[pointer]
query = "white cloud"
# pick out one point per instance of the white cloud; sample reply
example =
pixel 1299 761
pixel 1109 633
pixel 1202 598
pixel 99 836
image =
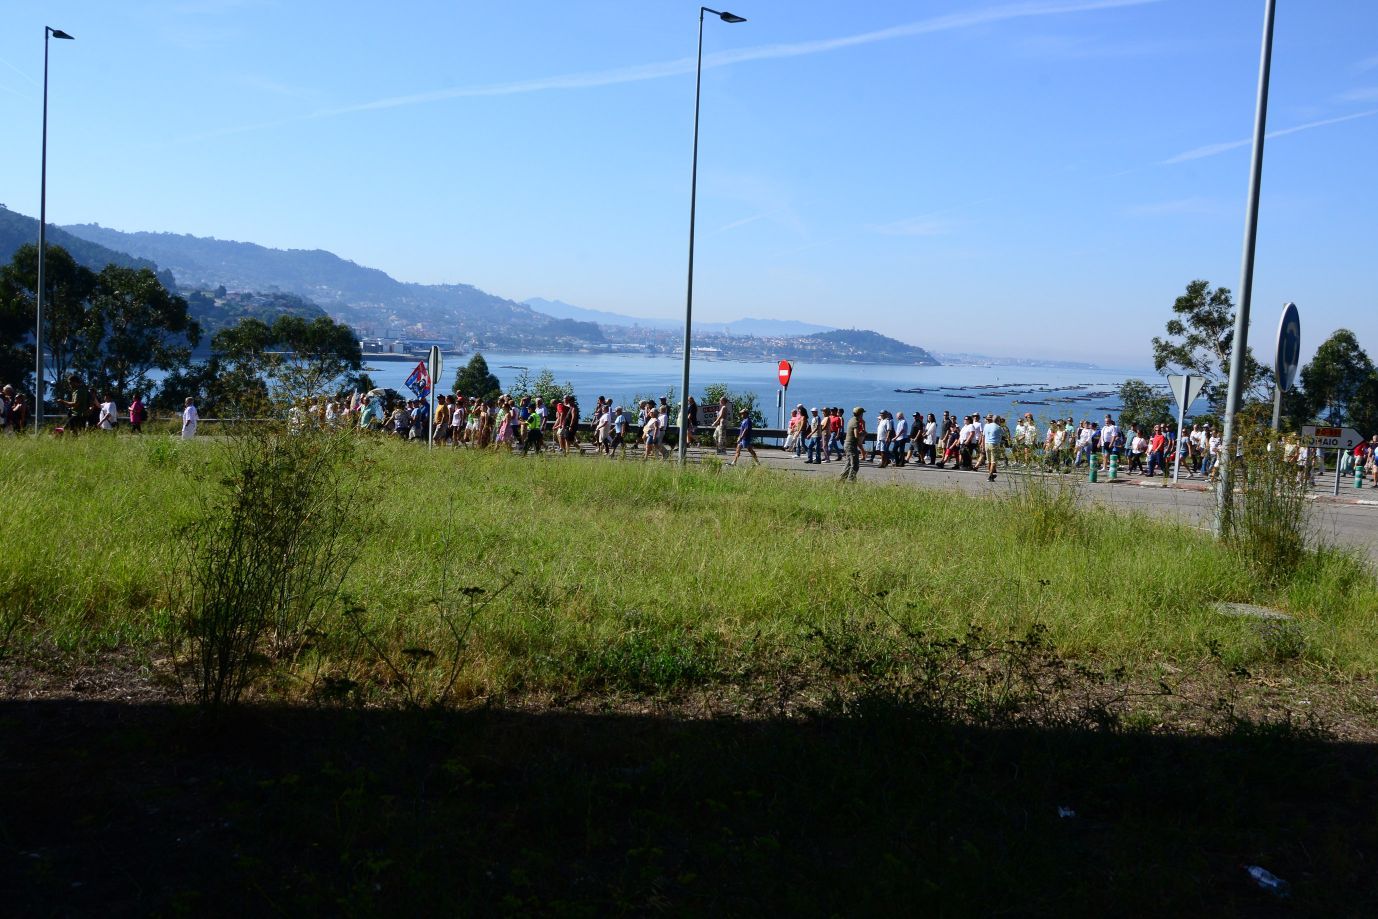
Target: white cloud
pixel 23 74
pixel 914 226
pixel 745 221
pixel 1368 63
pixel 1201 207
pixel 654 71
pixel 1362 94
pixel 273 87
pixel 1088 48
pixel 1215 149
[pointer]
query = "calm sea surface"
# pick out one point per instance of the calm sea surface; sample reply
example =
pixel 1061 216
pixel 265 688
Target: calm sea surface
pixel 625 376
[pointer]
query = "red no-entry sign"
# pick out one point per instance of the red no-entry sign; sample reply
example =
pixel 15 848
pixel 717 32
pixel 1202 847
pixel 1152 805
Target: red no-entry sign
pixel 786 368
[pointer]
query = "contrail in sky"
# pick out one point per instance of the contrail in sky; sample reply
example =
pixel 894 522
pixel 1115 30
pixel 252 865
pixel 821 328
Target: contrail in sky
pixel 1214 149
pixel 641 72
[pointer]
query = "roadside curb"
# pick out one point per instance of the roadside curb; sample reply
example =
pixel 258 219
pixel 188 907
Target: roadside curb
pixel 1155 483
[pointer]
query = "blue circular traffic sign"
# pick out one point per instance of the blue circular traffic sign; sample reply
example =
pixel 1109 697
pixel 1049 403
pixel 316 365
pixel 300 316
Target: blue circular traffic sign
pixel 1289 347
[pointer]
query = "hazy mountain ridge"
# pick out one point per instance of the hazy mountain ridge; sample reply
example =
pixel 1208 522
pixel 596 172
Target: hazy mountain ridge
pixel 744 327
pixel 377 304
pixel 366 297
pixel 561 310
pixel 985 360
pixel 16 230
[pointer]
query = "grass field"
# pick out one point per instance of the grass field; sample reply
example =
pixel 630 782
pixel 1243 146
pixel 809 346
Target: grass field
pixel 628 576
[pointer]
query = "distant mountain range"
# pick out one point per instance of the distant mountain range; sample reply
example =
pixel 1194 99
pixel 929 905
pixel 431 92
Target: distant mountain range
pixel 367 298
pixel 985 360
pixel 764 328
pixel 226 280
pixel 16 230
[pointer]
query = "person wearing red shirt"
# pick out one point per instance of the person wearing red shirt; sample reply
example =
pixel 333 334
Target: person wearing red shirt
pixel 1156 445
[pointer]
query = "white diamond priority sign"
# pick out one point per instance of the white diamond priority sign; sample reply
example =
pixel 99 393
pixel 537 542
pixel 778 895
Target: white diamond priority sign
pixel 1185 388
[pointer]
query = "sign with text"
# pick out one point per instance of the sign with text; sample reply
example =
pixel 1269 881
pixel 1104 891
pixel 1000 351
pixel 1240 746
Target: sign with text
pixel 786 368
pixel 1332 438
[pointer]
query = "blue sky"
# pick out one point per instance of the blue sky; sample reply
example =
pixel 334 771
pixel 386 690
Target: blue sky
pixel 1037 178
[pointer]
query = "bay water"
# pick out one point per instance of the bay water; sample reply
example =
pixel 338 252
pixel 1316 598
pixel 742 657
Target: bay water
pixel 959 388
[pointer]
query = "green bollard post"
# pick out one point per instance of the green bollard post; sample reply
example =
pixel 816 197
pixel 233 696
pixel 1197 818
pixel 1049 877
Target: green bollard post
pixel 1091 476
pixel 1114 466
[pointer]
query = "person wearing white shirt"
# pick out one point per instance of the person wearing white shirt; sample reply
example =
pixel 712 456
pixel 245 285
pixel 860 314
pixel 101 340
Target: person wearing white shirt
pixel 1026 439
pixel 1138 451
pixel 1196 449
pixel 930 439
pixel 966 442
pixel 720 423
pixel 109 413
pixel 884 432
pixel 901 439
pixel 602 431
pixel 189 419
pixel 1212 456
pixel 649 426
pixel 1084 444
pixel 1109 433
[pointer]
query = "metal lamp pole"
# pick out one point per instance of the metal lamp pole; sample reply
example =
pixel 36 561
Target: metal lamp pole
pixel 693 200
pixel 1240 349
pixel 48 32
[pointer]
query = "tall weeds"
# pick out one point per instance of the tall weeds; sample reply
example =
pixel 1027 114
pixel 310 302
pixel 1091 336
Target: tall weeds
pixel 1043 509
pixel 263 560
pixel 1265 514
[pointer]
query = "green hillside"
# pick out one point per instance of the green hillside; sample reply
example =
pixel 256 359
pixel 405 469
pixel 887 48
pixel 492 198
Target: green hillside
pixel 867 346
pixel 365 297
pixel 16 230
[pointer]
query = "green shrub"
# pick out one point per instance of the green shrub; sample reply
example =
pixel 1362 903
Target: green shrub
pixel 1043 510
pixel 1265 512
pixel 263 561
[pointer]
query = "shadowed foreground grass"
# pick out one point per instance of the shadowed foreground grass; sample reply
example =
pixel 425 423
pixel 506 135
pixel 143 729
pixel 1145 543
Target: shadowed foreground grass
pixel 631 577
pixel 130 810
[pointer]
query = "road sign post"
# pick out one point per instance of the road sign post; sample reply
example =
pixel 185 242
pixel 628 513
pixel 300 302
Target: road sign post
pixel 1185 389
pixel 433 366
pixel 1341 440
pixel 1239 348
pixel 1287 357
pixel 785 370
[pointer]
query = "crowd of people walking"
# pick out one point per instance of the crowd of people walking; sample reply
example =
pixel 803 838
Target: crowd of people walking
pixel 530 425
pixel 84 409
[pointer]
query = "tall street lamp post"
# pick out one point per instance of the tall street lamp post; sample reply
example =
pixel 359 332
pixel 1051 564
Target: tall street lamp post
pixel 693 198
pixel 48 32
pixel 1240 348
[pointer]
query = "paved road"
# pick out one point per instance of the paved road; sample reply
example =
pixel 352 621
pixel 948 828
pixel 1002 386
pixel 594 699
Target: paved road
pixel 1351 519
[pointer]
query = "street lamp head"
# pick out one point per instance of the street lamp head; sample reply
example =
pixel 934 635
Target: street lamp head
pixel 731 17
pixel 58 33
